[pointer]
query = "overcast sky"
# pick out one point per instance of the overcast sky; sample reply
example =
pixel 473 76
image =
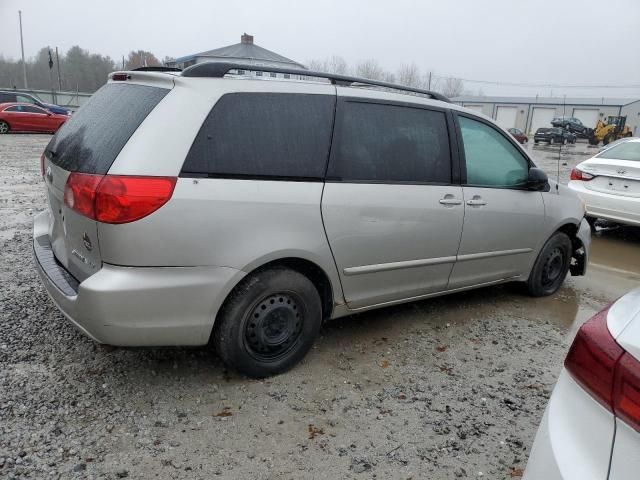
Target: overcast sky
pixel 579 42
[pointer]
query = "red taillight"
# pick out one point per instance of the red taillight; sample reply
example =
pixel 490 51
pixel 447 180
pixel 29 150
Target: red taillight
pixel 122 199
pixel 605 370
pixel 120 77
pixel 626 392
pixel 117 198
pixel 80 193
pixel 592 359
pixel 577 174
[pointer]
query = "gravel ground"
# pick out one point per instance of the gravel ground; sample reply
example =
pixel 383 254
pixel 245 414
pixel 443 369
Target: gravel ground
pixel 448 388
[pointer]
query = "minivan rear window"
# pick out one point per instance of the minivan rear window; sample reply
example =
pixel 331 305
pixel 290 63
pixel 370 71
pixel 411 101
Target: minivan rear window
pixel 264 135
pixel 92 138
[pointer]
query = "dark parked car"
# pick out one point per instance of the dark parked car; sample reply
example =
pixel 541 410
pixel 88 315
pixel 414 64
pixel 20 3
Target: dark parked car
pixel 518 135
pixel 7 96
pixel 554 135
pixel 572 124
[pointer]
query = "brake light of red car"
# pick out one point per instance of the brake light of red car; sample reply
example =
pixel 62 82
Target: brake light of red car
pixel 605 370
pixel 577 174
pixel 117 198
pixel 120 77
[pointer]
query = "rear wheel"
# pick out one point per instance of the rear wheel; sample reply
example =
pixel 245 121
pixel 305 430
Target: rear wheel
pixel 607 140
pixel 4 127
pixel 551 266
pixel 269 322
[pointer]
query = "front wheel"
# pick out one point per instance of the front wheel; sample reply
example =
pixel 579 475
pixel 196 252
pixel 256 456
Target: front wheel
pixel 4 127
pixel 551 267
pixel 268 323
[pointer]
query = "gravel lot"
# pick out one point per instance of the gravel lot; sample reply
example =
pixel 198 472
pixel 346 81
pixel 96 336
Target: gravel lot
pixel 447 388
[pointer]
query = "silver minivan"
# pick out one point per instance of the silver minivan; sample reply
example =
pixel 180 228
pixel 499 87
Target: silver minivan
pixel 206 207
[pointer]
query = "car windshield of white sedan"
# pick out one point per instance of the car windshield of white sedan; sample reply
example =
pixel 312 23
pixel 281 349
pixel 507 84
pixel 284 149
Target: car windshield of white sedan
pixel 623 151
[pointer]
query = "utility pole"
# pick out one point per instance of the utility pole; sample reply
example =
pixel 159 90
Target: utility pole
pixel 24 65
pixel 58 65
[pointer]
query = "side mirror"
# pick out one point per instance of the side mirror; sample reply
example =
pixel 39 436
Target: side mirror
pixel 537 180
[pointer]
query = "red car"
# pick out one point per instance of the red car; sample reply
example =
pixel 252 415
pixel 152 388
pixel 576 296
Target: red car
pixel 24 117
pixel 518 135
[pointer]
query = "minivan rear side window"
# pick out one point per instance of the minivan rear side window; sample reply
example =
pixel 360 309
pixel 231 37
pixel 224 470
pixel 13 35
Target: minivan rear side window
pixel 92 138
pixel 390 143
pixel 273 135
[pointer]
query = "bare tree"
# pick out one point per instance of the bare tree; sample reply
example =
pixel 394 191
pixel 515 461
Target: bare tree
pixel 410 75
pixel 141 58
pixel 334 64
pixel 372 70
pixel 452 87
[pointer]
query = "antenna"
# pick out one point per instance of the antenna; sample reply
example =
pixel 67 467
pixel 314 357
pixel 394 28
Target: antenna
pixel 564 111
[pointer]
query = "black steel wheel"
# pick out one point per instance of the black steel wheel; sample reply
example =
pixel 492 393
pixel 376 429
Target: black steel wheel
pixel 268 323
pixel 274 326
pixel 551 267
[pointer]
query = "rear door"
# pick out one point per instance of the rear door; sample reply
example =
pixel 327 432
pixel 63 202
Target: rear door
pixel 391 205
pixel 502 220
pixel 36 119
pixel 89 142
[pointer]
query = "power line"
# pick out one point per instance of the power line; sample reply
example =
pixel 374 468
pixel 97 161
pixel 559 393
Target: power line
pixel 540 85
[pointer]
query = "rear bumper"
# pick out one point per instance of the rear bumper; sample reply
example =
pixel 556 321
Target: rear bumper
pixel 574 439
pixel 133 306
pixel 616 208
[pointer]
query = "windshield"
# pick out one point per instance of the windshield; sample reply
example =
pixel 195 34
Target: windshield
pixel 623 151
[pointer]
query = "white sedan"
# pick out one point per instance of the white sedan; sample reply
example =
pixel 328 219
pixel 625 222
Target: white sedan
pixel 591 428
pixel 609 183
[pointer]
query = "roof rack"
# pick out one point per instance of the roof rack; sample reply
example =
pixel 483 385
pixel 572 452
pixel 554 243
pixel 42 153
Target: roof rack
pixel 220 69
pixel 157 69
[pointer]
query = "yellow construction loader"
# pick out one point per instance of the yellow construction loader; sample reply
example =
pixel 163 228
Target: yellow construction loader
pixel 606 132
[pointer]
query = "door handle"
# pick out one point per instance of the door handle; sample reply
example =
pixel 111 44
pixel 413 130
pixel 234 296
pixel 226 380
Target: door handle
pixel 450 201
pixel 476 202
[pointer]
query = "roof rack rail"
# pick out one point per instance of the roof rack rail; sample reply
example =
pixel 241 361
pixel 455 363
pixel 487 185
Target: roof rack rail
pixel 157 69
pixel 220 69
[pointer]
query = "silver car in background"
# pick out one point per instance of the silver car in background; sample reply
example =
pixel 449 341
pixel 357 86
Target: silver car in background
pixel 203 207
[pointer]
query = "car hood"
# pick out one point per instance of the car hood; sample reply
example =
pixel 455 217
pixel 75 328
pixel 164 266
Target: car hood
pixel 623 321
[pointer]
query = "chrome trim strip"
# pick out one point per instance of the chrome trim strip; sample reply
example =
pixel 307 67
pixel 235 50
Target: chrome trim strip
pixel 498 253
pixel 384 267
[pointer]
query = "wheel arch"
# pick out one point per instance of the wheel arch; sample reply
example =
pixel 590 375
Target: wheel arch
pixel 316 274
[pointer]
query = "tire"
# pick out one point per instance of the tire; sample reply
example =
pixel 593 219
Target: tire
pixel 606 140
pixel 535 142
pixel 551 267
pixel 4 127
pixel 268 323
pixel 593 141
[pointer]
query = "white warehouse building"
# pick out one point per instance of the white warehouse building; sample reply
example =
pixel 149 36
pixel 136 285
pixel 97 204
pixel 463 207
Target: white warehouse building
pixel 530 113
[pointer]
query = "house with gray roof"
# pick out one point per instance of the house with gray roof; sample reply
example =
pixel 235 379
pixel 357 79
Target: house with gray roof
pixel 246 52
